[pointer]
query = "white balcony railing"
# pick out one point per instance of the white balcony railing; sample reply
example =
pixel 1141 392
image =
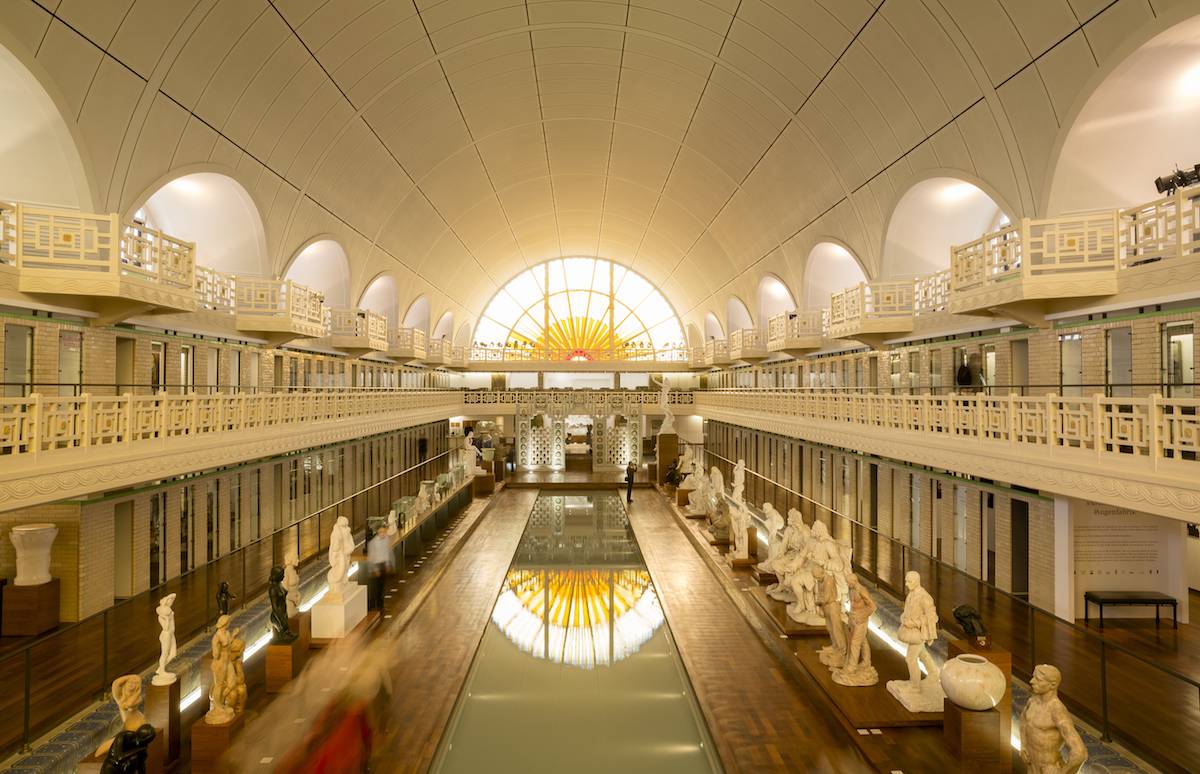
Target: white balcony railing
pixel 878 308
pixel 37 426
pixel 620 353
pixel 437 352
pixel 1164 230
pixel 282 306
pixel 747 344
pixel 459 356
pixel 932 293
pixel 406 344
pixel 215 290
pixel 563 402
pixel 357 329
pixel 795 332
pixel 716 352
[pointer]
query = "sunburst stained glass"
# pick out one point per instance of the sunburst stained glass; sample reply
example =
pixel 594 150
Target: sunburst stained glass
pixel 576 307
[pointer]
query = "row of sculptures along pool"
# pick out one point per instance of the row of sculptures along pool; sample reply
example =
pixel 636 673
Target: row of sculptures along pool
pixel 577 670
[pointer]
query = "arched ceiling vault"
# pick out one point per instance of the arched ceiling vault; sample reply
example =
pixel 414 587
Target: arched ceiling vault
pixel 457 143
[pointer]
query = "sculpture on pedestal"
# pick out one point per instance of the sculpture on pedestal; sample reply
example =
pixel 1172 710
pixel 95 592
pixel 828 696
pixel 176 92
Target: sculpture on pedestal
pixel 125 753
pixel 918 629
pixel 831 555
pixel 699 496
pixel 718 507
pixel 1046 728
pixel 281 633
pixel 424 499
pixel 393 527
pixel 32 543
pixel 341 546
pixel 218 710
pixel 664 403
pixel 857 670
pixel 791 557
pixel 834 654
pixel 739 525
pixel 224 597
pixel 235 677
pixel 738 487
pixel 291 584
pixel 775 526
pixel 687 461
pixel 972 624
pixel 672 477
pixel 166 640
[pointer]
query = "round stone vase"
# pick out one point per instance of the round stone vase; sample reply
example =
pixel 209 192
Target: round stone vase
pixel 972 682
pixel 33 542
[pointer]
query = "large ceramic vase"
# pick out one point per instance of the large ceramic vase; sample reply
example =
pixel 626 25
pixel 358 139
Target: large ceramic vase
pixel 33 542
pixel 972 682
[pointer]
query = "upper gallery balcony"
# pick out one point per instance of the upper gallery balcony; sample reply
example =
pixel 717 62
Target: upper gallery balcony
pixel 437 352
pixel 532 357
pixel 1159 242
pixel 796 333
pixel 1027 268
pixel 97 262
pixel 872 311
pixel 459 357
pixel 716 352
pixel 696 357
pixel 747 345
pixel 216 291
pixel 277 310
pixel 356 331
pixel 406 345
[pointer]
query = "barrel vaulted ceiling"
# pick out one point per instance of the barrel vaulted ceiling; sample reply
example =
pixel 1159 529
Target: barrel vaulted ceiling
pixel 454 143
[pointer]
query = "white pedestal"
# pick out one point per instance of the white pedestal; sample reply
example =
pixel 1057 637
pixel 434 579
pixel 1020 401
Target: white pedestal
pixel 930 698
pixel 331 619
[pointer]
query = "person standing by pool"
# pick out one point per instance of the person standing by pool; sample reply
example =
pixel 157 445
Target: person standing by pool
pixel 630 472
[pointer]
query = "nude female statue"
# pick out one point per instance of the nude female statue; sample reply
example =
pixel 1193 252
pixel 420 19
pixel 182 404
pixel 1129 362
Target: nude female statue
pixel 166 640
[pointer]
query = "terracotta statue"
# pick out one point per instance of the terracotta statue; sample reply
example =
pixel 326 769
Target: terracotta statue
pixel 833 655
pixel 126 752
pixel 281 633
pixel 341 546
pixel 166 640
pixel 1046 728
pixel 235 676
pixel 291 584
pixel 918 629
pixel 858 670
pixel 224 597
pixel 218 710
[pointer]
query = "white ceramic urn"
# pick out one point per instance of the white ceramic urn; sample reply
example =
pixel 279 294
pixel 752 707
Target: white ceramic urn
pixel 33 542
pixel 972 682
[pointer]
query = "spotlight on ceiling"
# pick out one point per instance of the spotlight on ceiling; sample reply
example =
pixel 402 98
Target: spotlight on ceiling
pixel 1177 179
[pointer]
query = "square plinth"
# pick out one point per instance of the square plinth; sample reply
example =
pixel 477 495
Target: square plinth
pixel 285 661
pixel 30 610
pixel 210 742
pixel 681 497
pixel 162 712
pixel 973 738
pixel 332 619
pixel 483 486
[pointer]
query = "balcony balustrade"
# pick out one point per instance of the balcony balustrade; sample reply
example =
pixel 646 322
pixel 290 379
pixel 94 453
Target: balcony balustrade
pixel 437 352
pixel 716 352
pixel 795 333
pixel 406 345
pixel 747 345
pixel 1027 268
pixel 624 353
pixel 459 357
pixel 931 294
pixel 696 357
pixel 356 331
pixel 215 291
pixel 100 263
pixel 871 312
pixel 1159 242
pixel 278 310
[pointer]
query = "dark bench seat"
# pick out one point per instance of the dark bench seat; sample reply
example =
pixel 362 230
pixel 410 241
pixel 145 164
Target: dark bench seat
pixel 1127 598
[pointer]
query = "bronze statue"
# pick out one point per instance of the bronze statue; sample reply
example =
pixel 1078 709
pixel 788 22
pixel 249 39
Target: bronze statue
pixel 281 634
pixel 223 598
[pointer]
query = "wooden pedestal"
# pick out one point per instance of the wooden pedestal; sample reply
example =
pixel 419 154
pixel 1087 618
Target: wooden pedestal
pixel 1003 659
pixel 681 497
pixel 30 610
pixel 154 758
pixel 668 452
pixel 162 712
pixel 284 662
pixel 210 742
pixel 973 738
pixel 764 578
pixel 752 545
pixel 484 485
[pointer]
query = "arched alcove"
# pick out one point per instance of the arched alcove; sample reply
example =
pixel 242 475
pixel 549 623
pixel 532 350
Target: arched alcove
pixel 463 337
pixel 40 162
pixel 830 268
pixel 218 214
pixel 417 315
pixel 695 338
pixel 931 217
pixel 1138 124
pixel 322 265
pixel 773 298
pixel 445 327
pixel 712 327
pixel 737 316
pixel 382 298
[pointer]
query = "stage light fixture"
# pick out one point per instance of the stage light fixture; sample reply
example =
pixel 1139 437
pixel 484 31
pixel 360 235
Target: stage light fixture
pixel 1167 184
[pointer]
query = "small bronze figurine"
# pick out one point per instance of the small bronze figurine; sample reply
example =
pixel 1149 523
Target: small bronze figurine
pixel 223 598
pixel 281 633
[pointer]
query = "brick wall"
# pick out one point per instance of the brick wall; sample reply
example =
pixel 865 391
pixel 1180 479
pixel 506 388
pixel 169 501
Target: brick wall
pixel 64 554
pixel 1041 554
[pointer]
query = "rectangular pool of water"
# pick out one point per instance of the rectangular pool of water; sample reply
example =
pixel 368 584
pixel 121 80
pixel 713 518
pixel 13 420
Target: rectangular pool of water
pixel 577 670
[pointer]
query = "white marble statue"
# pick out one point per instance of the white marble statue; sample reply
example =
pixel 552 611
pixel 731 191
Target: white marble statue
pixel 393 527
pixel 739 525
pixel 664 404
pixel 687 461
pixel 291 584
pixel 1046 728
pixel 718 506
pixel 341 546
pixel 738 487
pixel 32 543
pixel 166 640
pixel 698 498
pixel 830 603
pixel 918 630
pixel 218 710
pixel 424 498
pixel 775 526
pixel 790 558
pixel 857 669
pixel 831 554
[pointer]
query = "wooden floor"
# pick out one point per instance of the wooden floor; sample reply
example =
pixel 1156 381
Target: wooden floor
pixel 762 717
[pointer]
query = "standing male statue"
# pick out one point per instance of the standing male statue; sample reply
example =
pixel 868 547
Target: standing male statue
pixel 918 629
pixel 1046 728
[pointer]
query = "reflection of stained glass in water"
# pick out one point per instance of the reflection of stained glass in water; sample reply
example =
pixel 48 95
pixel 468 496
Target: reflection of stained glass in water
pixel 579 617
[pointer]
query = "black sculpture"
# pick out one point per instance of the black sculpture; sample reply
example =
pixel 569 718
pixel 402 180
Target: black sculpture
pixel 281 633
pixel 223 598
pixel 972 624
pixel 672 476
pixel 127 755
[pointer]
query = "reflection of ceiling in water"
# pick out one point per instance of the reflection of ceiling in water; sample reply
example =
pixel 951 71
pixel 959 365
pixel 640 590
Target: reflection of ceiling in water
pixel 584 618
pixel 578 530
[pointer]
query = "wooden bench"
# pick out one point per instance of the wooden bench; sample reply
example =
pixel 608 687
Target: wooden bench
pixel 1127 598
